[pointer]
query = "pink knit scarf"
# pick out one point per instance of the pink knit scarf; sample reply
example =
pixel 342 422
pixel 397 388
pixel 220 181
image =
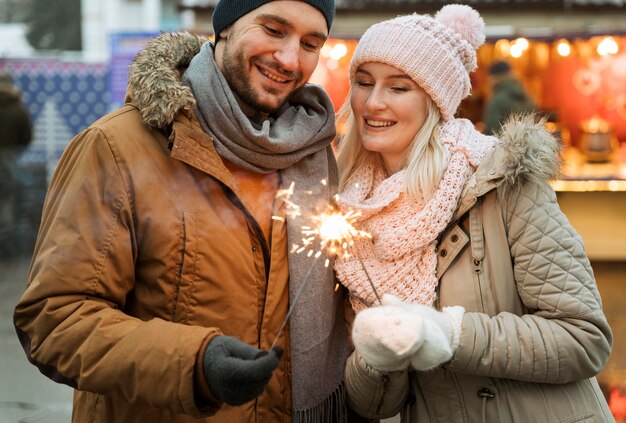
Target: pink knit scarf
pixel 400 258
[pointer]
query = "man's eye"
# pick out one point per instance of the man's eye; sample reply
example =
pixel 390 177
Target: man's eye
pixel 311 46
pixel 272 31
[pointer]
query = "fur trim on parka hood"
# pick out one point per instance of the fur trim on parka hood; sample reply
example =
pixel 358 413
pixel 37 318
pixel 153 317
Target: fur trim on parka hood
pixel 154 85
pixel 526 153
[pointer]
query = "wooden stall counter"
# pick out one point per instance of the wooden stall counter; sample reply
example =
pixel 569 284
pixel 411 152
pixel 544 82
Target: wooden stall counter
pixel 593 196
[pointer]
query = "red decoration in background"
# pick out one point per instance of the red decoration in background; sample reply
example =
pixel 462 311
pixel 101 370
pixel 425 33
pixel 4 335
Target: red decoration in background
pixel 581 89
pixel 617 404
pixel 620 105
pixel 332 71
pixel 586 82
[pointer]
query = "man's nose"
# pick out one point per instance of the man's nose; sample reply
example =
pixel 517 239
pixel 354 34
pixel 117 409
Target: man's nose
pixel 287 55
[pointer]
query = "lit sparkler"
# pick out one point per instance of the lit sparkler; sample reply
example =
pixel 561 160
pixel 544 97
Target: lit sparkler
pixel 332 231
pixel 337 232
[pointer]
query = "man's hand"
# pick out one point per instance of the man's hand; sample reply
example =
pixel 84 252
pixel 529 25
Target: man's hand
pixel 237 372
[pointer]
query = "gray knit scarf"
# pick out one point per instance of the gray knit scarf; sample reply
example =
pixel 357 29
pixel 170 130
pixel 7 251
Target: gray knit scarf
pixel 295 142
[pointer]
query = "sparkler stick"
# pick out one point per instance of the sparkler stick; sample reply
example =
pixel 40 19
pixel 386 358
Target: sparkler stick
pixel 369 279
pixel 335 232
pixel 295 300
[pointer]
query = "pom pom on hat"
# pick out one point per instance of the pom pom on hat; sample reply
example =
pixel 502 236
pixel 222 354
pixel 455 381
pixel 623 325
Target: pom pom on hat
pixel 437 53
pixel 465 21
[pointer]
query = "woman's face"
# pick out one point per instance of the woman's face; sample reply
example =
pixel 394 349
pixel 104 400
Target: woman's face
pixel 389 108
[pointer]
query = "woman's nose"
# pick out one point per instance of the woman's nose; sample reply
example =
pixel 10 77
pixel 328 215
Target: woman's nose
pixel 376 100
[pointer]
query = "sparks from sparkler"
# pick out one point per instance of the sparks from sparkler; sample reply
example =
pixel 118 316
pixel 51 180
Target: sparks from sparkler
pixel 332 231
pixel 336 232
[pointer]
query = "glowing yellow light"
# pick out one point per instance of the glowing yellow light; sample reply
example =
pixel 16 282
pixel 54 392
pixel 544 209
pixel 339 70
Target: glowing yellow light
pixel 563 48
pixel 332 64
pixel 614 185
pixel 334 230
pixel 338 51
pixel 518 47
pixel 522 43
pixel 516 51
pixel 335 227
pixel 326 50
pixel 608 46
pixel 503 47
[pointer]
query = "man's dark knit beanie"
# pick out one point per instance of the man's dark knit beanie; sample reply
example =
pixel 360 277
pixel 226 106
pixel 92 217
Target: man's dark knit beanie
pixel 228 11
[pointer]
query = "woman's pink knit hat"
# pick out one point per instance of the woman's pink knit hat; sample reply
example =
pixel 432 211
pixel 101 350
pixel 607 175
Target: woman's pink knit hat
pixel 438 53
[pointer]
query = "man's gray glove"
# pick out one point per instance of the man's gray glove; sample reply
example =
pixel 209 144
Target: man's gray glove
pixel 237 372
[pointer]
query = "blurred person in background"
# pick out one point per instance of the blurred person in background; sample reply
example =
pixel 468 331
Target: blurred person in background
pixel 489 311
pixel 508 97
pixel 160 277
pixel 15 136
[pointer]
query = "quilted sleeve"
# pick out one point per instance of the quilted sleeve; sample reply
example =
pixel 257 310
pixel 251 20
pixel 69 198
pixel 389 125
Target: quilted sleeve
pixel 565 335
pixel 372 393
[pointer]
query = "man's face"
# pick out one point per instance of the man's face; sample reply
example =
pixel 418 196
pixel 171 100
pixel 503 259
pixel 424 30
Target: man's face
pixel 272 51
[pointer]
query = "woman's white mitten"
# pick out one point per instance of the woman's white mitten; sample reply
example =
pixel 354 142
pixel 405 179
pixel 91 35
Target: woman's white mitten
pixel 387 337
pixel 441 331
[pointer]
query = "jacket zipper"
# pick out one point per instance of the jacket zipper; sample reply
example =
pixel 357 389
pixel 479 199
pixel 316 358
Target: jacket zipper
pixel 386 379
pixel 256 229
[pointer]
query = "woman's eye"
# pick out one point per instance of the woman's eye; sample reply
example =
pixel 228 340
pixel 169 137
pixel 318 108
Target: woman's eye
pixel 400 89
pixel 363 84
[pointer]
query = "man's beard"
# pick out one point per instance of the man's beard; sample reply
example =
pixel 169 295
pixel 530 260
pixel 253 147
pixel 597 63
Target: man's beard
pixel 234 72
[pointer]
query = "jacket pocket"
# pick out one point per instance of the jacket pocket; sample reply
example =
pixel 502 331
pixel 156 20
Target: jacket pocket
pixel 538 402
pixel 186 269
pixel 87 407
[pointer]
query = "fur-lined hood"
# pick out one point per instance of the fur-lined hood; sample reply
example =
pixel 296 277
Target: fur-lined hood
pixel 9 96
pixel 154 85
pixel 525 153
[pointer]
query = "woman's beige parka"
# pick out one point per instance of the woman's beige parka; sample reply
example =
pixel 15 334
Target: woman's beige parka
pixel 534 334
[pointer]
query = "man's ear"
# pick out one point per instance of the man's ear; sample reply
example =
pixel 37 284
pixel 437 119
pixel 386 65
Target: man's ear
pixel 225 32
pixel 223 35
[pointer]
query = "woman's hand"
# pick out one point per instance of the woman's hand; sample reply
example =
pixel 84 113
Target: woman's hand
pixel 387 336
pixel 397 334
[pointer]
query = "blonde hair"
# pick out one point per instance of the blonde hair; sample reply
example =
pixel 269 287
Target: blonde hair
pixel 425 161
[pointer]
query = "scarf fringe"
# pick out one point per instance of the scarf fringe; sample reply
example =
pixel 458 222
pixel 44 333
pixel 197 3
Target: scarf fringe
pixel 332 410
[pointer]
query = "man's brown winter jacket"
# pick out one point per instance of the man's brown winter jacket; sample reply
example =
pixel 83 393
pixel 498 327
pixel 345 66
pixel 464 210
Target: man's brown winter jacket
pixel 146 252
